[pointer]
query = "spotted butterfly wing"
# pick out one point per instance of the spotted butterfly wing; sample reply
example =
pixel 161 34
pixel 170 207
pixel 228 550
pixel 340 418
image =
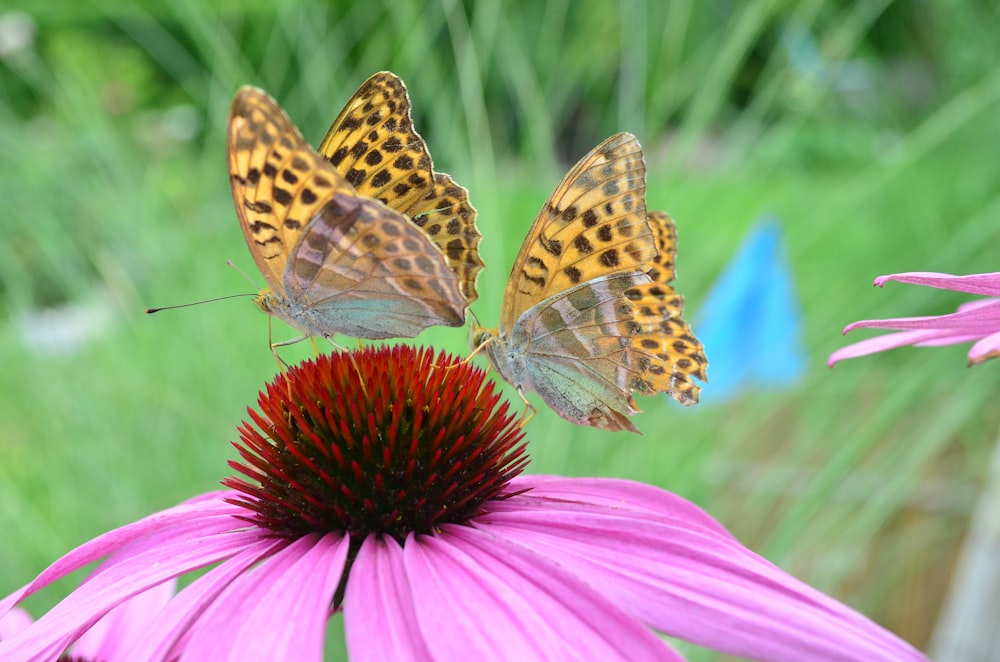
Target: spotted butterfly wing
pixel 667 348
pixel 373 144
pixel 566 327
pixel 593 224
pixel 335 261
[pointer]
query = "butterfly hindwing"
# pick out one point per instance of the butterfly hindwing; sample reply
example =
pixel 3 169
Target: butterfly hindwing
pixel 578 352
pixel 370 269
pixel 446 216
pixel 667 347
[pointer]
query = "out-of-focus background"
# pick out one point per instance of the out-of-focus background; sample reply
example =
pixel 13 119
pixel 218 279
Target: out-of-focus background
pixel 867 131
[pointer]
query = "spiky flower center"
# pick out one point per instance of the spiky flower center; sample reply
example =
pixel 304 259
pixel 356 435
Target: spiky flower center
pixel 379 440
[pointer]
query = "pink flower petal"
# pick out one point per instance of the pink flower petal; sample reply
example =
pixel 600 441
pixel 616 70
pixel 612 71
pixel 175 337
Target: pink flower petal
pixel 987 284
pixel 947 338
pixel 124 627
pixel 985 349
pixel 207 506
pixel 169 632
pixel 483 597
pixel 621 494
pixel 378 599
pixel 974 320
pixel 984 318
pixel 978 303
pixel 927 338
pixel 240 623
pixel 14 622
pixel 686 580
pixel 137 565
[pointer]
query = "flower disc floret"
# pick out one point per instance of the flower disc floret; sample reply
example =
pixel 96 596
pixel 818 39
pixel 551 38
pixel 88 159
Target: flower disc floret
pixel 380 440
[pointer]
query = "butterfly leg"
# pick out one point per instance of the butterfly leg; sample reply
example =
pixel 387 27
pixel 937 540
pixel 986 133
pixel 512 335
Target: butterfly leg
pixel 468 358
pixel 349 354
pixel 528 407
pixel 478 349
pixel 285 343
pixel 336 345
pixel 282 366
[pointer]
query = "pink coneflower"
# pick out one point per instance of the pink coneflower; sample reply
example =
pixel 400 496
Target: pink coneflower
pixel 396 504
pixel 976 321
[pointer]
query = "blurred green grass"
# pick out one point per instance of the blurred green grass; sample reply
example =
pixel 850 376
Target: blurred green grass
pixel 868 128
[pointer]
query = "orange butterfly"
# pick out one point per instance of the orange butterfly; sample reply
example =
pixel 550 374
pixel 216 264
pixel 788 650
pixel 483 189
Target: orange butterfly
pixel 582 321
pixel 339 239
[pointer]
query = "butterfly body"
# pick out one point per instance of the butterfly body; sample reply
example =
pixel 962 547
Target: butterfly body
pixel 335 234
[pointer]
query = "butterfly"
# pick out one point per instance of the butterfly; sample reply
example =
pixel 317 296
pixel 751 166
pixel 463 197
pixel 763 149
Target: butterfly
pixel 362 238
pixel 572 324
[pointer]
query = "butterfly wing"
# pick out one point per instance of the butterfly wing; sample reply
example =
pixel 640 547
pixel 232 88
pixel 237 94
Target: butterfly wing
pixel 365 270
pixel 594 224
pixel 374 145
pixel 278 182
pixel 446 216
pixel 577 352
pixel 666 349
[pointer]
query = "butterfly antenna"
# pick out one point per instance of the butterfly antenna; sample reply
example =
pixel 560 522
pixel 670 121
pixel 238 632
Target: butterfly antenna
pixel 150 311
pixel 230 263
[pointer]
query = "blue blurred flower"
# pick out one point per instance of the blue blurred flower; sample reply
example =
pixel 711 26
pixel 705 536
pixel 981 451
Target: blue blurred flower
pixel 750 322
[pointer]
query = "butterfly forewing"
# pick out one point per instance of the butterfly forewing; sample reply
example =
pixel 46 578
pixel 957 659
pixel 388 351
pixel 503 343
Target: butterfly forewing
pixel 594 224
pixel 374 145
pixel 278 181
